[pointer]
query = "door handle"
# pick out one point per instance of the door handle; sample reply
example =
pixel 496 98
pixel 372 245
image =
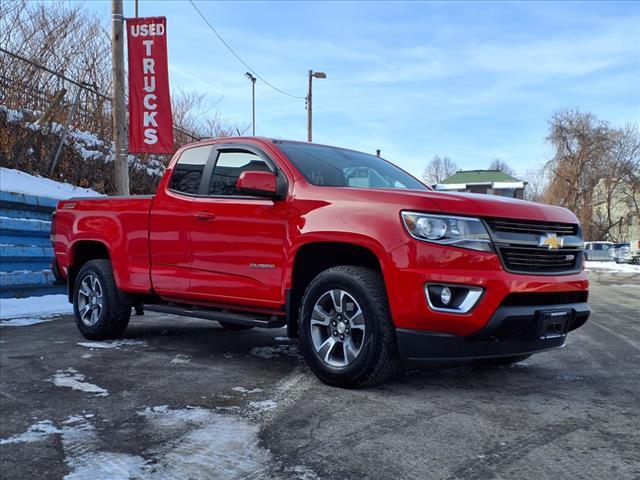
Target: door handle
pixel 205 216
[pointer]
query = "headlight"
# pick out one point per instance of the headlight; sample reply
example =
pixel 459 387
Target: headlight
pixel 464 232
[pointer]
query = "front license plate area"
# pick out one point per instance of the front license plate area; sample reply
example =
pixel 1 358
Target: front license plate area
pixel 554 324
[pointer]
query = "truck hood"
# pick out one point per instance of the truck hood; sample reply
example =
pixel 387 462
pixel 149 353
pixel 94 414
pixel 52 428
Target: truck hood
pixel 482 205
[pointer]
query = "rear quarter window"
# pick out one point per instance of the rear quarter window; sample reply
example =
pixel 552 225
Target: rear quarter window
pixel 187 172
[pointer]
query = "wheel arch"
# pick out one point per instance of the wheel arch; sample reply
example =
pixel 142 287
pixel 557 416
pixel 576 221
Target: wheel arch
pixel 314 257
pixel 83 251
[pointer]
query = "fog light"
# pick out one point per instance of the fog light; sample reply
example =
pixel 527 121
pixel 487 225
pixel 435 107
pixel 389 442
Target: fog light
pixel 445 296
pixel 452 298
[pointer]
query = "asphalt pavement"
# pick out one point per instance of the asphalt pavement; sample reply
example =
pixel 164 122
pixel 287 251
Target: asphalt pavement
pixel 183 398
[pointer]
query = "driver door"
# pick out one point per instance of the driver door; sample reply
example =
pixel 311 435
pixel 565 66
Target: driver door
pixel 237 241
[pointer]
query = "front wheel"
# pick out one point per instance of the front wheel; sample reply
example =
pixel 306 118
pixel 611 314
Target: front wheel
pixel 99 311
pixel 346 332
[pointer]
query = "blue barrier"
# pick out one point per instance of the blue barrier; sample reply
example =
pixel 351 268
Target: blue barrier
pixel 25 248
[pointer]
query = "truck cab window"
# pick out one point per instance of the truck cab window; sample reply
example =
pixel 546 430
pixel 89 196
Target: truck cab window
pixel 187 173
pixel 228 168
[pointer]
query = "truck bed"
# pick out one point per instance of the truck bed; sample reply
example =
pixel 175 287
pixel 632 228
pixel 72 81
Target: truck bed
pixel 119 224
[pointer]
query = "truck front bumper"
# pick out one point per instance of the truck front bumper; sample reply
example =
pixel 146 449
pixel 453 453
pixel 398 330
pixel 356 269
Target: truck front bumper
pixel 511 331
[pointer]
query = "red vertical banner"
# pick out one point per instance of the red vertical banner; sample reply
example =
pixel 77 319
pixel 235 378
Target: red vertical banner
pixel 150 117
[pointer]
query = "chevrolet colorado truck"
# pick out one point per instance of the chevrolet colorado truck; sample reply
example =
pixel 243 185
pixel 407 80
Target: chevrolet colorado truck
pixel 358 259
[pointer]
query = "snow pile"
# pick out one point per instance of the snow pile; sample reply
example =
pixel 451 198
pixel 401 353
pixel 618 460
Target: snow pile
pixel 21 182
pixel 39 307
pixel 612 267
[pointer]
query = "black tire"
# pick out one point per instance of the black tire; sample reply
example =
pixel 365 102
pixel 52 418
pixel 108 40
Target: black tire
pixel 500 361
pixel 113 317
pixel 234 327
pixel 378 354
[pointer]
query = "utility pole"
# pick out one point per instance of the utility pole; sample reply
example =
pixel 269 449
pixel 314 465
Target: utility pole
pixel 253 99
pixel 119 113
pixel 312 74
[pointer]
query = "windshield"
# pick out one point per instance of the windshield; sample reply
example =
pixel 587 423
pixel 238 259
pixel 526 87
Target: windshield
pixel 337 167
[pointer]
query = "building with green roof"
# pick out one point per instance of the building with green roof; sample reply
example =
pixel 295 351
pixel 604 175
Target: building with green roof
pixel 493 182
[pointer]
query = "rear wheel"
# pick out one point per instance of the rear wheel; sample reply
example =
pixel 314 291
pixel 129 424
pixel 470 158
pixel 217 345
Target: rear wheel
pixel 99 311
pixel 346 332
pixel 234 327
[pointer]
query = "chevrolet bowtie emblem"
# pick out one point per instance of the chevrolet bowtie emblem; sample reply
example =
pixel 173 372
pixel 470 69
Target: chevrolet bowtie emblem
pixel 551 241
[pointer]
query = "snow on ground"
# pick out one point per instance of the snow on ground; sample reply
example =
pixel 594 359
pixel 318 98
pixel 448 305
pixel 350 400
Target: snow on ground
pixel 21 182
pixel 214 446
pixel 24 322
pixel 70 378
pixel 263 405
pixel 203 444
pixel 37 431
pixel 612 267
pixel 181 359
pixel 246 390
pixel 115 344
pixel 32 310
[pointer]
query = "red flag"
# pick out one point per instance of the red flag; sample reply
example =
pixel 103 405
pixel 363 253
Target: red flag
pixel 150 118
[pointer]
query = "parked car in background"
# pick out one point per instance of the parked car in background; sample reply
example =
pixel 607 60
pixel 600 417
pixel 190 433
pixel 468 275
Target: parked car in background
pixel 598 251
pixel 620 253
pixel 634 251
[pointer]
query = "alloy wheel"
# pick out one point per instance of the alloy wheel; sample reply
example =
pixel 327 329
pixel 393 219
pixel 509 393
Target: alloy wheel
pixel 90 300
pixel 337 328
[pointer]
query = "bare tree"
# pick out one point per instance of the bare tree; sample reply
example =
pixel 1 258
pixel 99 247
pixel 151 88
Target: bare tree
pixel 594 172
pixel 582 144
pixel 616 192
pixel 503 166
pixel 438 169
pixel 536 184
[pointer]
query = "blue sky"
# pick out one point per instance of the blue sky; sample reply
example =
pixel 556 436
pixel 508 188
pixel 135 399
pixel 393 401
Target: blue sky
pixel 474 81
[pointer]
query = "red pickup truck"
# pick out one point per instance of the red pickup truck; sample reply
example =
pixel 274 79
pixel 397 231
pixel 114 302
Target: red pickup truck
pixel 358 259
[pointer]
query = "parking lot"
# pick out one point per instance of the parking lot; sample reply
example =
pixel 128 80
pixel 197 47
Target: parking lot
pixel 182 398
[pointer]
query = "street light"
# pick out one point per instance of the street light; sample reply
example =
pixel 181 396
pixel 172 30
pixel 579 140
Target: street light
pixel 253 99
pixel 312 74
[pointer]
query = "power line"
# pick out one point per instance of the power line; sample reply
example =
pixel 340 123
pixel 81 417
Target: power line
pixel 238 56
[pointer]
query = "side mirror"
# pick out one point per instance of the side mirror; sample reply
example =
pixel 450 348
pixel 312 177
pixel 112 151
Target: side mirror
pixel 258 183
